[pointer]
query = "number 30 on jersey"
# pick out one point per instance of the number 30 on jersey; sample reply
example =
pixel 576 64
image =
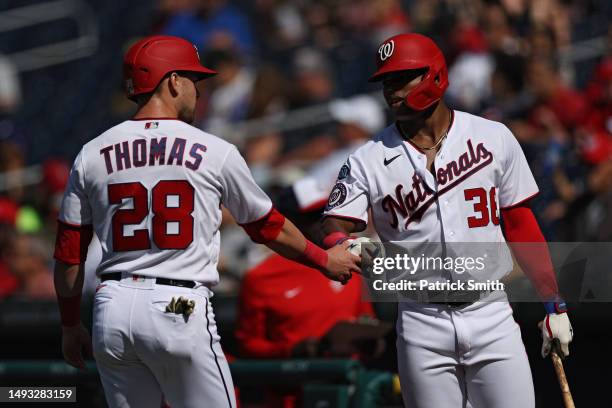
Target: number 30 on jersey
pixel 484 205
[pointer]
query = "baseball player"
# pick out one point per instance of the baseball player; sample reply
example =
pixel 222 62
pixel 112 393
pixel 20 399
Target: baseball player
pixel 151 189
pixel 442 176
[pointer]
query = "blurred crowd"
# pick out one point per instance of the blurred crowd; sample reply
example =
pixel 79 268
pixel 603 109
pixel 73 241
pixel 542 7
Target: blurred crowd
pixel 292 93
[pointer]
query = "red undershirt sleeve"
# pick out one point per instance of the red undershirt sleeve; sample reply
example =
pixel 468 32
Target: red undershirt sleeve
pixel 267 228
pixel 521 228
pixel 71 243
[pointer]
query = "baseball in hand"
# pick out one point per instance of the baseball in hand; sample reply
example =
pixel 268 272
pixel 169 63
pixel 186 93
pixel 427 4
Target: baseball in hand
pixel 373 249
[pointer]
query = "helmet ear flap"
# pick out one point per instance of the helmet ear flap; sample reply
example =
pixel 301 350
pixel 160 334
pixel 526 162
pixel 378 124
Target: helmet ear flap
pixel 430 90
pixel 421 96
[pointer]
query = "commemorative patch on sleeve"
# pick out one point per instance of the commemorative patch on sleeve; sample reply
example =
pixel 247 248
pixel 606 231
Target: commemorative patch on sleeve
pixel 337 196
pixel 345 170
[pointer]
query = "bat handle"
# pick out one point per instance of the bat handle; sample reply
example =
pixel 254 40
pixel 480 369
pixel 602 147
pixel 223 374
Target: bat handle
pixel 555 355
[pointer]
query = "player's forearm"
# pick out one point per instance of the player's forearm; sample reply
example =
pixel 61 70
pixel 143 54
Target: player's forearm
pixel 68 281
pixel 279 234
pixel 336 230
pixel 290 241
pixel 334 224
pixel 530 250
pixel 292 244
pixel 71 245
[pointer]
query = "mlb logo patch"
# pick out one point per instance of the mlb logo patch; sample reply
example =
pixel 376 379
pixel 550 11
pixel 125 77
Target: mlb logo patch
pixel 151 125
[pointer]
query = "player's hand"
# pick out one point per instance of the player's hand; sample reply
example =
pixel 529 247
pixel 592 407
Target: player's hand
pixel 75 341
pixel 341 263
pixel 556 326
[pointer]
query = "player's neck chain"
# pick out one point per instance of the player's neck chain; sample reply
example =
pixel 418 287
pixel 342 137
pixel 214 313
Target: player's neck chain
pixel 441 139
pixel 438 143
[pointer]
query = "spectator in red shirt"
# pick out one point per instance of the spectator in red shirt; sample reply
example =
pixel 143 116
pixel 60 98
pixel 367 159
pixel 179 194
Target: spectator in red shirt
pixel 286 307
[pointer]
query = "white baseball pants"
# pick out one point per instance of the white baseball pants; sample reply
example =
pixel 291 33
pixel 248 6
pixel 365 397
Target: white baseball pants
pixel 142 351
pixel 467 357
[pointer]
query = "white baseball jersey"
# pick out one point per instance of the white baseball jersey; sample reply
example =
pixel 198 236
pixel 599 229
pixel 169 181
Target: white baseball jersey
pixel 447 355
pixel 153 190
pixel 479 169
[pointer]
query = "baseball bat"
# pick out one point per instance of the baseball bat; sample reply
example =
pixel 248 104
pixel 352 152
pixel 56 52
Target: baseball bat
pixel 555 355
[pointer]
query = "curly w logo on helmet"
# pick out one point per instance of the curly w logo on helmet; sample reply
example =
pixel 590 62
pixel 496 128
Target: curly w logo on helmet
pixel 386 50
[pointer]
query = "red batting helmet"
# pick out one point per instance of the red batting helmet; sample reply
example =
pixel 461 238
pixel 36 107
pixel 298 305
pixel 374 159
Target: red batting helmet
pixel 150 59
pixel 414 51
